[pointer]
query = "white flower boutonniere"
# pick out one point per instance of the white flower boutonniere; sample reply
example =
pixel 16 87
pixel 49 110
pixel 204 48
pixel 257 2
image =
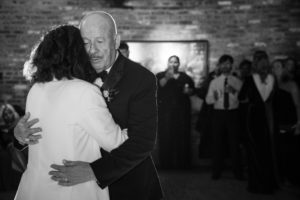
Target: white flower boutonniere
pixel 98 82
pixel 105 93
pixel 109 94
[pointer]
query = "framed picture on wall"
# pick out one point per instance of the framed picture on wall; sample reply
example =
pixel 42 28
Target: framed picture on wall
pixel 154 56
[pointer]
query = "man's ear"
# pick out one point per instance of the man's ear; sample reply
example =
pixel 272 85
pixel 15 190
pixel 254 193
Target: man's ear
pixel 118 41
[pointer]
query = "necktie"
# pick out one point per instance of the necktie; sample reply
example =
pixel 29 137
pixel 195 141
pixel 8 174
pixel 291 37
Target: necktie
pixel 226 95
pixel 103 75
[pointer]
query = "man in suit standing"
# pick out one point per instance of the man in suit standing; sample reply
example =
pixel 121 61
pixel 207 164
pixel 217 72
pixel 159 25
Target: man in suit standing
pixel 223 95
pixel 130 93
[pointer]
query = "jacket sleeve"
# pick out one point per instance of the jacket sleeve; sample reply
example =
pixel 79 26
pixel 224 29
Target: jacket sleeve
pixel 142 125
pixel 210 94
pixel 97 121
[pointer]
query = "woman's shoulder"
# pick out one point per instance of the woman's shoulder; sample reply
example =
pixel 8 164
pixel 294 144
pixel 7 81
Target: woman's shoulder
pixel 80 87
pixel 79 84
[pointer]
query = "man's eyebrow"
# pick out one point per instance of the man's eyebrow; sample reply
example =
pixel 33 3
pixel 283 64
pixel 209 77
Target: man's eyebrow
pixel 86 38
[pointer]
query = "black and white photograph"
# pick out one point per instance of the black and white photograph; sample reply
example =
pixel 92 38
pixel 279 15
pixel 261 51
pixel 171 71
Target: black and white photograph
pixel 149 99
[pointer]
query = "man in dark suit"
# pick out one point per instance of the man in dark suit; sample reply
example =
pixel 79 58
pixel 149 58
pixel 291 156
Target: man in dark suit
pixel 130 93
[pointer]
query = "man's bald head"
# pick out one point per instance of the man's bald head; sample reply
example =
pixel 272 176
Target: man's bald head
pixel 99 32
pixel 99 17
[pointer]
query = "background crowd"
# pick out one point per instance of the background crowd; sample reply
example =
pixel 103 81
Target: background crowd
pixel 250 114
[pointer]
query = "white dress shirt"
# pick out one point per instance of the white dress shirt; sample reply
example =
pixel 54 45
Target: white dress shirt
pixel 264 88
pixel 217 84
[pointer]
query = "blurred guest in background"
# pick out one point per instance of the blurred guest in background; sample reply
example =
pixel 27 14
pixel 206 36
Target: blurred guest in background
pixel 174 110
pixel 288 118
pixel 13 162
pixel 258 92
pixel 124 49
pixel 290 64
pixel 245 69
pixel 222 94
pixel 203 124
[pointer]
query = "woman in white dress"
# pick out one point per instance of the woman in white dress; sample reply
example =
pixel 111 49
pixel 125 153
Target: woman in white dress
pixel 72 113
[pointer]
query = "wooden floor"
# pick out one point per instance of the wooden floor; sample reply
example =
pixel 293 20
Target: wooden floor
pixel 197 185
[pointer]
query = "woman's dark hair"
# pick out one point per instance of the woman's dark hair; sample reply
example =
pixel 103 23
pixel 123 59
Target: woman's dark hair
pixel 245 63
pixel 174 56
pixel 245 68
pixel 123 45
pixel 261 62
pixel 225 58
pixel 60 54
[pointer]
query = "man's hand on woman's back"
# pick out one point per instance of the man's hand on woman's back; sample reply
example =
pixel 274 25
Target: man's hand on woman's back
pixel 24 132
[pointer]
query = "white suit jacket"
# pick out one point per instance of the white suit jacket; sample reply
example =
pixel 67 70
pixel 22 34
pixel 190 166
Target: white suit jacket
pixel 75 123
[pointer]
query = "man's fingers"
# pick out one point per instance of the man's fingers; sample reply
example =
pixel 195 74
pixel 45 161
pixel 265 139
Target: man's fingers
pixel 25 117
pixel 69 163
pixel 36 130
pixel 60 168
pixel 31 142
pixel 64 183
pixel 32 131
pixel 31 139
pixel 58 177
pixel 34 137
pixel 55 178
pixel 57 174
pixel 32 122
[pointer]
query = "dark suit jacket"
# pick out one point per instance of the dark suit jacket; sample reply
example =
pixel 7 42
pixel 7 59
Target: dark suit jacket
pixel 129 170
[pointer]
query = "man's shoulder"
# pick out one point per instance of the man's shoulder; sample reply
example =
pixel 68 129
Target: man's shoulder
pixel 136 69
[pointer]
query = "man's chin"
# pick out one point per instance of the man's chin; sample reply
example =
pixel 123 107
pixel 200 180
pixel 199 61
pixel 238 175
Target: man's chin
pixel 97 67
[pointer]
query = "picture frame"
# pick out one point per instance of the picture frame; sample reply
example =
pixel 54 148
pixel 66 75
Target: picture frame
pixel 154 56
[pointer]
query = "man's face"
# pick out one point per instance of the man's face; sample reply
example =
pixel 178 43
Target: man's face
pixel 290 66
pixel 99 40
pixel 8 116
pixel 173 63
pixel 277 68
pixel 226 67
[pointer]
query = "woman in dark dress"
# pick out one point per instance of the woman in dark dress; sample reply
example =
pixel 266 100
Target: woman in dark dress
pixel 258 93
pixel 288 117
pixel 174 116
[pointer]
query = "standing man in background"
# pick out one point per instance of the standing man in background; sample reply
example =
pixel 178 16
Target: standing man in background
pixel 223 95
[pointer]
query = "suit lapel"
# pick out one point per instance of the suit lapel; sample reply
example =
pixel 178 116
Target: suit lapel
pixel 115 74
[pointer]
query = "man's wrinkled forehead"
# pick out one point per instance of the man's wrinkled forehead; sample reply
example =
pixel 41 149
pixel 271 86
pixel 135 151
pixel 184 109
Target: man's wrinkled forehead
pixel 98 19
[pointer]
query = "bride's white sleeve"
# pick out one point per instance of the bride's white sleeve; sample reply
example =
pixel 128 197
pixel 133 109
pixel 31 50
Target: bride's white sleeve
pixel 97 121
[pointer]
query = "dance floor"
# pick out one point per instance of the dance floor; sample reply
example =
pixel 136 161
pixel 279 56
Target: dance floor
pixel 197 185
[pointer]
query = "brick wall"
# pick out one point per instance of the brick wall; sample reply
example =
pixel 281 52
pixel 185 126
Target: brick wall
pixel 236 27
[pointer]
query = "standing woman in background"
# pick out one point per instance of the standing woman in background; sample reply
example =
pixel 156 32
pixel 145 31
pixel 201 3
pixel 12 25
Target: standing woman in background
pixel 258 93
pixel 174 112
pixel 288 116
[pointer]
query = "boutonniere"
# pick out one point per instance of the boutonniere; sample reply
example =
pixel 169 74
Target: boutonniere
pixel 109 94
pixel 98 82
